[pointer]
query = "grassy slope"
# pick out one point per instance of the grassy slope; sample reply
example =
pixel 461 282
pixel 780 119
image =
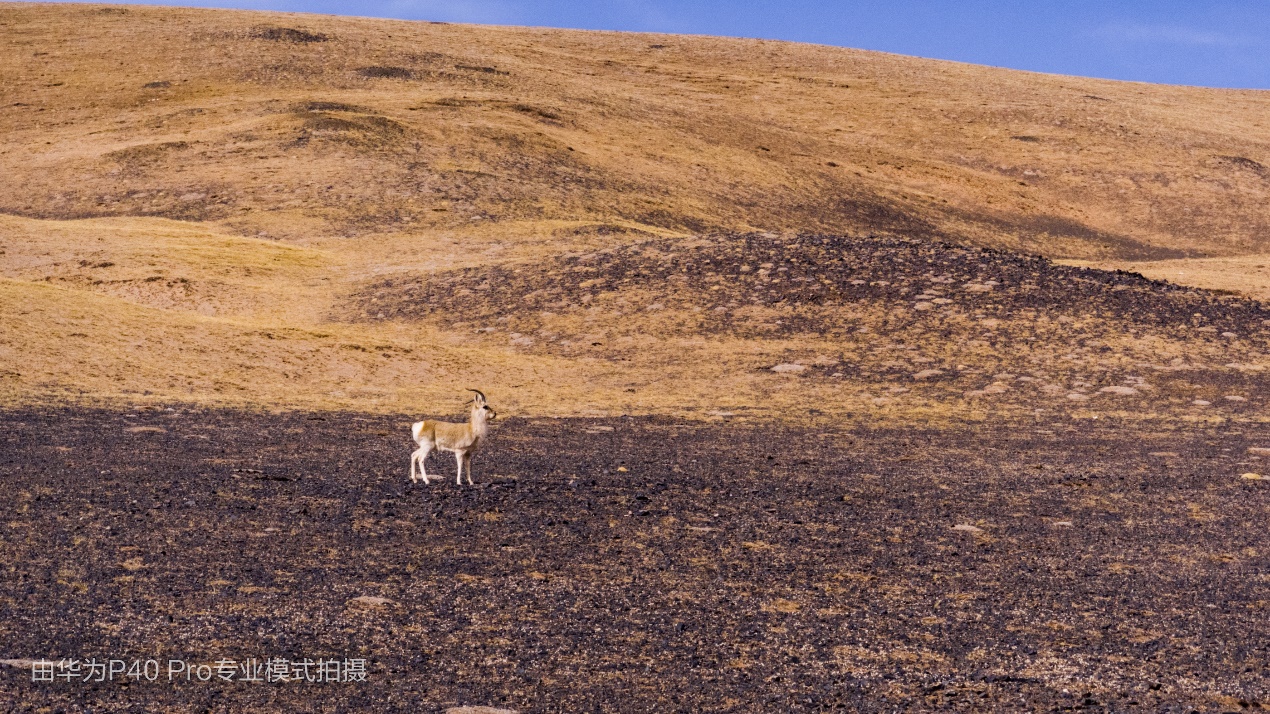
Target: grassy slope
pixel 185 186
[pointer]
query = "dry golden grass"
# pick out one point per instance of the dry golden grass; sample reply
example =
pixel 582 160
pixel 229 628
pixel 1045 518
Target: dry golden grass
pixel 1243 274
pixel 191 197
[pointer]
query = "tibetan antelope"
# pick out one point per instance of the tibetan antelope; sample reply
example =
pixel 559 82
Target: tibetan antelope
pixel 462 439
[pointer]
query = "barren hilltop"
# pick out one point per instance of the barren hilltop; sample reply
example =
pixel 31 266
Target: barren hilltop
pixel 296 210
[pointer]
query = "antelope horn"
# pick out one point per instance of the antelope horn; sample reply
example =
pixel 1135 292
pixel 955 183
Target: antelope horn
pixel 478 393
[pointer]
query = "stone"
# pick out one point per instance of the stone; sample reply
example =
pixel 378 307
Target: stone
pixel 1078 397
pixel 1234 398
pixel 1253 477
pixel 1201 402
pixel 789 368
pixel 1063 524
pixel 923 305
pixel 1124 391
pixel 479 710
pixel 371 601
pixel 1260 450
pixel 928 373
pixel 967 528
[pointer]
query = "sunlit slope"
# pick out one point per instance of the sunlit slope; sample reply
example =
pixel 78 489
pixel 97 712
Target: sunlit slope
pixel 300 126
pixel 276 210
pixel 827 329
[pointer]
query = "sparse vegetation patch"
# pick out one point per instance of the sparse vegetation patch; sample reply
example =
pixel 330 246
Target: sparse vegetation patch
pixel 381 72
pixel 287 34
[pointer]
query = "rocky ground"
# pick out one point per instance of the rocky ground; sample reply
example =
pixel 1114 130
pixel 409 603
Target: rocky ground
pixel 638 564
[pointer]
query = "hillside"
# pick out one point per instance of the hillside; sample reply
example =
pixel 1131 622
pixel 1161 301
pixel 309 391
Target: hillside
pixel 298 210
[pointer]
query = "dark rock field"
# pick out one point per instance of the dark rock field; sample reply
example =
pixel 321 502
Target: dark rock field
pixel 637 565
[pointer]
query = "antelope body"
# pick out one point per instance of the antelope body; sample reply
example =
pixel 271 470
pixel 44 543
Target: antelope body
pixel 461 439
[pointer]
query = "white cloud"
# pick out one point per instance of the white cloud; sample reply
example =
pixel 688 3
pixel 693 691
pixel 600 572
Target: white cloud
pixel 1167 35
pixel 488 12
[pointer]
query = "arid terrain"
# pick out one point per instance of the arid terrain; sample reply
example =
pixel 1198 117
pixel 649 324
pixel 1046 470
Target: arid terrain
pixel 201 205
pixel 640 565
pixel 827 379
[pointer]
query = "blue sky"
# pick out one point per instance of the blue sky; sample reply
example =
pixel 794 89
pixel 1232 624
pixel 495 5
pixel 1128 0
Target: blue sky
pixel 1217 44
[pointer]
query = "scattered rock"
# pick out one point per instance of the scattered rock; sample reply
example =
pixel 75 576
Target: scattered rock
pixel 928 373
pixel 967 528
pixel 789 368
pixel 146 430
pixel 920 306
pixel 371 601
pixel 1229 334
pixel 1163 454
pixel 1261 450
pixel 1253 477
pixel 1126 391
pixel 1234 398
pixel 996 388
pixel 479 710
pixel 1201 402
pixel 599 429
pixel 19 663
pixel 1063 524
pixel 621 469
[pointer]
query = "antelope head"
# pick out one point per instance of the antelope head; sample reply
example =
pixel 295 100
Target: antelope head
pixel 481 406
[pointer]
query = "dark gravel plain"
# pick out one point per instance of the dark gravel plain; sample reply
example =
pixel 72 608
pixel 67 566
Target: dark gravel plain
pixel 638 565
